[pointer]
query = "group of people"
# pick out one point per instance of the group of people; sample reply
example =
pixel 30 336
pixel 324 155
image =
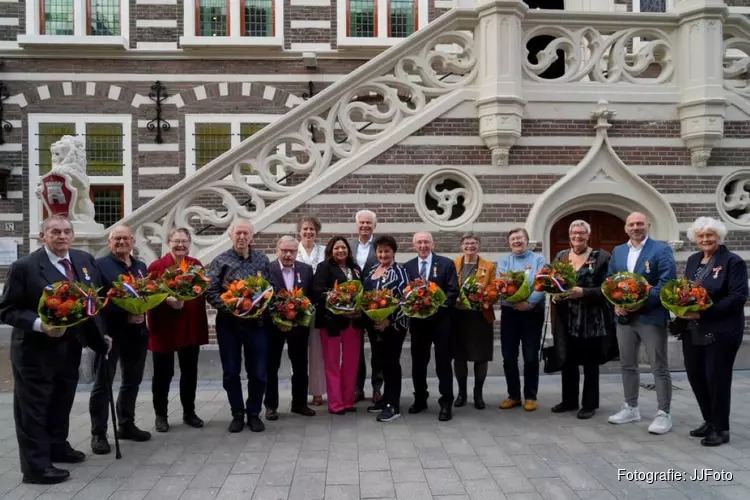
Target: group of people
pixel 327 358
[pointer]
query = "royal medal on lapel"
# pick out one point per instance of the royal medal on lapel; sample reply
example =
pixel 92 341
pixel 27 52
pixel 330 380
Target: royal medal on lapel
pixel 716 271
pixel 434 271
pixel 259 274
pixel 299 280
pixel 484 272
pixel 647 265
pixel 88 278
pixel 590 264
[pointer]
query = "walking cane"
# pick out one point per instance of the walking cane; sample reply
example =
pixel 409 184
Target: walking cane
pixel 105 366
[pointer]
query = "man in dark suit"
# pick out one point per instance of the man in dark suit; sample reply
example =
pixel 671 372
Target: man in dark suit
pixel 286 273
pixel 363 253
pixel 45 360
pixel 433 330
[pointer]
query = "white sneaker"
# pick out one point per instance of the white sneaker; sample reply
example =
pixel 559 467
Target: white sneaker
pixel 627 415
pixel 662 423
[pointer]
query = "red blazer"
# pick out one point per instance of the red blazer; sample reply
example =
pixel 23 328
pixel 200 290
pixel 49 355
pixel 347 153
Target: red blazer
pixel 172 329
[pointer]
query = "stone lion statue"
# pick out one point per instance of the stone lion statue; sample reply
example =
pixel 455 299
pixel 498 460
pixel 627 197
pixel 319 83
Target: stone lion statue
pixel 69 160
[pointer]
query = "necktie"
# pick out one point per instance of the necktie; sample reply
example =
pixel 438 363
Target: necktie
pixel 423 270
pixel 69 274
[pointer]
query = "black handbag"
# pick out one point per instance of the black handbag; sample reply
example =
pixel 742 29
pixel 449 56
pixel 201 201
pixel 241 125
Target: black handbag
pixel 549 355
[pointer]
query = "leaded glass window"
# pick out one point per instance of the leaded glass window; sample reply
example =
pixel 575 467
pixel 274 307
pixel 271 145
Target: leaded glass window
pixel 213 17
pixel 653 5
pixel 49 133
pixel 211 140
pixel 104 148
pixel 361 18
pixel 401 18
pixel 108 204
pixel 257 18
pixel 104 17
pixel 58 17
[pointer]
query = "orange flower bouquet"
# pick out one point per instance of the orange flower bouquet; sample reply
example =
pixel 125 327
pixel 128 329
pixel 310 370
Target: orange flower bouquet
pixel 345 298
pixel 136 295
pixel 248 298
pixel 290 308
pixel 626 290
pixel 422 300
pixel 476 296
pixel 682 296
pixel 513 286
pixel 185 282
pixel 379 304
pixel 68 303
pixel 555 279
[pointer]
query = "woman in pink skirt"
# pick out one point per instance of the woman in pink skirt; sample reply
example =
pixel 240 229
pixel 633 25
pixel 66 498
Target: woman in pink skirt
pixel 340 336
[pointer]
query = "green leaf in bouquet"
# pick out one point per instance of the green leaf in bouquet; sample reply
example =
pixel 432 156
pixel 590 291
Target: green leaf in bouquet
pixel 378 315
pixel 523 293
pixel 135 305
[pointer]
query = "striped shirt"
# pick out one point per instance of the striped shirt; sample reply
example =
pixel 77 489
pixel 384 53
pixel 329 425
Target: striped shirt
pixel 394 279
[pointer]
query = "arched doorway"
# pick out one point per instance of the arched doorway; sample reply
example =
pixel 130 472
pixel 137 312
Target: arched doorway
pixel 607 231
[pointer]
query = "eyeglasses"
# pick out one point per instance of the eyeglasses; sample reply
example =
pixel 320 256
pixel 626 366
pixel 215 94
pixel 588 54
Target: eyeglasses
pixel 181 242
pixel 287 251
pixel 122 238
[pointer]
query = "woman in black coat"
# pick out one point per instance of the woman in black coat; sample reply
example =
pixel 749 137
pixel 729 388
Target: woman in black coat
pixel 711 339
pixel 340 336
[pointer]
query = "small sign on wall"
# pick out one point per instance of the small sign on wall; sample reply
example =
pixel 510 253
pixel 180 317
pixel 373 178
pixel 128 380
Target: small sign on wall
pixel 8 251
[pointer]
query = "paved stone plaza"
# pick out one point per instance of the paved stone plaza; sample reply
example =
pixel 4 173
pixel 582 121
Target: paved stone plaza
pixel 490 454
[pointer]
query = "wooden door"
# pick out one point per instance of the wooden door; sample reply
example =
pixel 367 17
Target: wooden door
pixel 607 231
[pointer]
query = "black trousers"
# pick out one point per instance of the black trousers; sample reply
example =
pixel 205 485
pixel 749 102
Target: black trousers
pixel 45 377
pixel 709 371
pixel 130 351
pixel 296 340
pixel 376 366
pixel 424 334
pixel 524 328
pixel 163 373
pixel 570 386
pixel 388 344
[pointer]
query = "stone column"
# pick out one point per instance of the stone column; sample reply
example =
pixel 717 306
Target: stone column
pixel 699 57
pixel 500 102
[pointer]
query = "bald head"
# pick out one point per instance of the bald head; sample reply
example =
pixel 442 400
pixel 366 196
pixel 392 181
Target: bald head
pixel 637 226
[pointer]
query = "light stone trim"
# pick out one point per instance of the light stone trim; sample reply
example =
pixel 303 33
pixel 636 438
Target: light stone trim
pixel 114 92
pixel 90 88
pixel 43 92
pixel 200 92
pixel 67 88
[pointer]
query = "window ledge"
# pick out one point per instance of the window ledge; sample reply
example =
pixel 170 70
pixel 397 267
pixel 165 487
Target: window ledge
pixel 367 42
pixel 117 41
pixel 199 42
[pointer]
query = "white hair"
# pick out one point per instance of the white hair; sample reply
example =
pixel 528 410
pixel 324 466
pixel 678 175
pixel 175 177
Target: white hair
pixel 286 239
pixel 580 223
pixel 46 222
pixel 240 221
pixel 368 213
pixel 117 227
pixel 702 224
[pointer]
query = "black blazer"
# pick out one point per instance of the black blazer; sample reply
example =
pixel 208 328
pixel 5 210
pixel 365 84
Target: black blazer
pixel 303 277
pixel 26 279
pixel 326 275
pixel 443 274
pixel 726 284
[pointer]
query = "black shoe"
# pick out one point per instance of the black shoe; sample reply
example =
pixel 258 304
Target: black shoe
pixel 479 400
pixel 389 413
pixel 460 400
pixel 161 424
pixel 585 414
pixel 562 408
pixel 445 413
pixel 340 412
pixel 272 414
pixel 50 475
pixel 100 445
pixel 255 423
pixel 133 433
pixel 418 407
pixel 701 431
pixel 715 438
pixel 359 395
pixel 192 420
pixel 376 408
pixel 237 423
pixel 351 409
pixel 303 410
pixel 68 456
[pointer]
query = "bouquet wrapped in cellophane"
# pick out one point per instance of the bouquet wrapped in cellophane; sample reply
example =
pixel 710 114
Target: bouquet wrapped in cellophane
pixel 379 304
pixel 682 296
pixel 247 298
pixel 345 298
pixel 476 296
pixel 513 286
pixel 626 290
pixel 185 282
pixel 136 295
pixel 290 308
pixel 422 299
pixel 68 303
pixel 555 279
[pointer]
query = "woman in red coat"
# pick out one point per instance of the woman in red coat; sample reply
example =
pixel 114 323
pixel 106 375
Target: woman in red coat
pixel 176 326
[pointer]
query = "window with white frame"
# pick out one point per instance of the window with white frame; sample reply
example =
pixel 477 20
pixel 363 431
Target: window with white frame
pixel 209 136
pixel 107 139
pixel 95 22
pixel 228 23
pixel 378 22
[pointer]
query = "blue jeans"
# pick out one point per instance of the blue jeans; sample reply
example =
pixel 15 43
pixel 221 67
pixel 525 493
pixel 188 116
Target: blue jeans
pixel 524 328
pixel 234 336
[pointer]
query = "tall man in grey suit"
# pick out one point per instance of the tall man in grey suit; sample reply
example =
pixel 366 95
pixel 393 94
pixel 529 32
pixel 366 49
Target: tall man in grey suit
pixel 44 359
pixel 364 255
pixel 654 260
